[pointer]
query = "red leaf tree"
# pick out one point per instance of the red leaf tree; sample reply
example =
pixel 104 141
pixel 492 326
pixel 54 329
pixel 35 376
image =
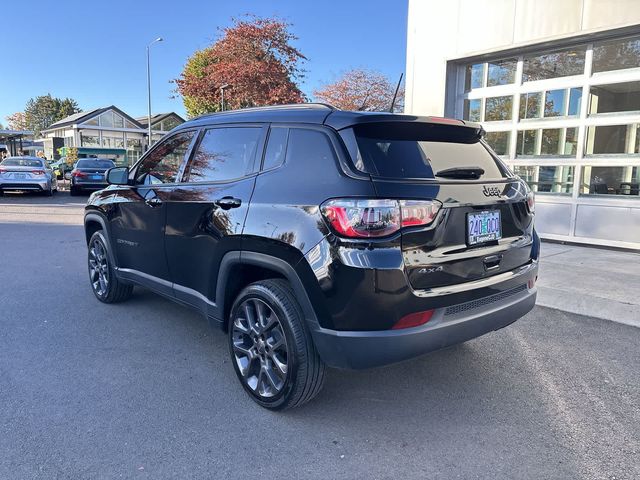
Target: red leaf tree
pixel 255 58
pixel 363 90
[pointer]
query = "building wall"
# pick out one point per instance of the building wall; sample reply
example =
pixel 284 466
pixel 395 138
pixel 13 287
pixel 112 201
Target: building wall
pixel 584 160
pixel 439 31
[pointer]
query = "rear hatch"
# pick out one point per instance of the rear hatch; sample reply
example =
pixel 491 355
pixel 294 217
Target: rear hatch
pixel 22 169
pixel 484 226
pixel 92 171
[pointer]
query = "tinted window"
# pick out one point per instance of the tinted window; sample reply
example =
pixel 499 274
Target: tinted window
pixel 95 164
pixel 224 154
pixel 309 146
pixel 276 148
pixel 419 150
pixel 163 162
pixel 21 162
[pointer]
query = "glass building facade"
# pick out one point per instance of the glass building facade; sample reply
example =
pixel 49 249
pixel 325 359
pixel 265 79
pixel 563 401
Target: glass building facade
pixel 567 121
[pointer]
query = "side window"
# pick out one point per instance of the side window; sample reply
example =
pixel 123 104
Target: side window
pixel 309 146
pixel 163 163
pixel 224 154
pixel 276 148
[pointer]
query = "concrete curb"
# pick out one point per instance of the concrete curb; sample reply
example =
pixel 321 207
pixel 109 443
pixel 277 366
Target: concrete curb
pixel 592 306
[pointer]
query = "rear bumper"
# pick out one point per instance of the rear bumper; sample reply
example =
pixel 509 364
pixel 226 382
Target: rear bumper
pixel 448 326
pixel 89 185
pixel 24 185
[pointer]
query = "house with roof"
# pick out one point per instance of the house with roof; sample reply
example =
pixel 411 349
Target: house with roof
pixel 106 132
pixel 161 123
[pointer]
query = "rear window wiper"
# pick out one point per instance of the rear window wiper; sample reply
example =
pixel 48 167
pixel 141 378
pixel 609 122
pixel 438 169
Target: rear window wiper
pixel 472 173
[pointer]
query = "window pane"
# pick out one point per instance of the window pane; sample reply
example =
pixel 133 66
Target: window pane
pixel 571 141
pixel 106 120
pixel 163 162
pixel 498 108
pixel 501 72
pixel 170 123
pixel 616 55
pixel 472 110
pixel 526 144
pixel 134 149
pixel 554 103
pixel 530 105
pixel 619 97
pixel 575 101
pixel 473 76
pixel 612 139
pixel 118 121
pixel 559 141
pixel 553 65
pixel 112 140
pixel 93 121
pixel 224 154
pixel 88 140
pixel 499 142
pixel 550 144
pixel 547 179
pixel 276 148
pixel 610 181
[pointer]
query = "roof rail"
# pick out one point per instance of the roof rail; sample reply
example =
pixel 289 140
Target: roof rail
pixel 273 107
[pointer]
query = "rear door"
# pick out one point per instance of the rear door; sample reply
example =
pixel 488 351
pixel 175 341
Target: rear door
pixel 483 227
pixel 207 211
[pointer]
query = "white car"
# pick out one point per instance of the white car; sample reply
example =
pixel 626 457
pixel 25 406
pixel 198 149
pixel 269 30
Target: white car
pixel 28 174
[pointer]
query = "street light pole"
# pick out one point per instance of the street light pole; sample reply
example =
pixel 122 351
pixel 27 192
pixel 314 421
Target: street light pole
pixel 226 85
pixel 159 39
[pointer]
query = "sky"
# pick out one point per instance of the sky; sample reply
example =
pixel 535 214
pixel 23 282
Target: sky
pixel 95 52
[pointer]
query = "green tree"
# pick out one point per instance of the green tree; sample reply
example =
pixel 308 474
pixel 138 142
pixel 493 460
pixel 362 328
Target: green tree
pixel 42 111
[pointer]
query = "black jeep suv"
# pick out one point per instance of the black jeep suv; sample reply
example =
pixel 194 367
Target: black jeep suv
pixel 318 237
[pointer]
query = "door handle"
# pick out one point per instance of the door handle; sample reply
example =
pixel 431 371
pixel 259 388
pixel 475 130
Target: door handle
pixel 228 202
pixel 153 202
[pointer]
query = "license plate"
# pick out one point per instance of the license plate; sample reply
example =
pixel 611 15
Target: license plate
pixel 483 227
pixel 19 176
pixel 97 177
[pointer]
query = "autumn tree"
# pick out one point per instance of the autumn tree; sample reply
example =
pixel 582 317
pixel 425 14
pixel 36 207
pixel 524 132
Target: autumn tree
pixel 16 121
pixel 362 90
pixel 42 111
pixel 257 61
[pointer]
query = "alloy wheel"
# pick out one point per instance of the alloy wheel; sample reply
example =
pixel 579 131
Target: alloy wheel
pixel 98 268
pixel 260 348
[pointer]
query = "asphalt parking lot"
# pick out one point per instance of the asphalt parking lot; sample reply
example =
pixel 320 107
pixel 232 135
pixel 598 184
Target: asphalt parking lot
pixel 144 389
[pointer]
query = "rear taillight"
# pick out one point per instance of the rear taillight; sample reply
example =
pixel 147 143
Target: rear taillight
pixel 78 174
pixel 531 202
pixel 37 172
pixel 372 218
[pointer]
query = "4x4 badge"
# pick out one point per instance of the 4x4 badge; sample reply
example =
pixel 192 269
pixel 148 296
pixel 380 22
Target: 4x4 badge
pixel 491 191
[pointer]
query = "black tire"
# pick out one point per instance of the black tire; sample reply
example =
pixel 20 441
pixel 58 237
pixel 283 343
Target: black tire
pixel 49 192
pixel 113 290
pixel 305 371
pixel 73 191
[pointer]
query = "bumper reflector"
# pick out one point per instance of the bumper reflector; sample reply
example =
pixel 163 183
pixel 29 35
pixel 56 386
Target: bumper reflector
pixel 413 320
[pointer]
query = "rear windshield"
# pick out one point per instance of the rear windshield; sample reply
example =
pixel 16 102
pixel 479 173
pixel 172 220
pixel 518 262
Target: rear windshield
pixel 95 164
pixel 417 150
pixel 21 162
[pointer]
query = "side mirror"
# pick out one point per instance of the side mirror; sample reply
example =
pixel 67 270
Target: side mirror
pixel 118 176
